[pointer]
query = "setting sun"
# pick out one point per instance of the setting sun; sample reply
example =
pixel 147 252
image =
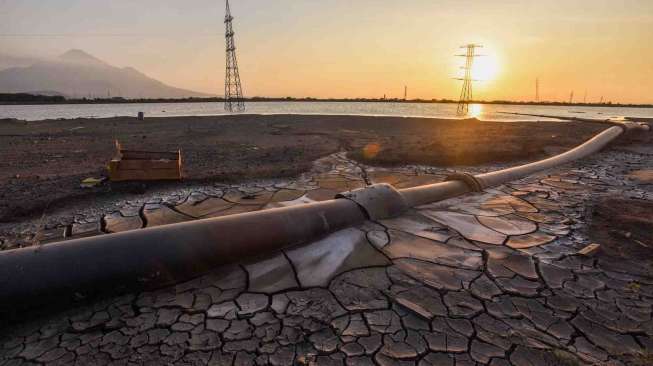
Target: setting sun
pixel 485 68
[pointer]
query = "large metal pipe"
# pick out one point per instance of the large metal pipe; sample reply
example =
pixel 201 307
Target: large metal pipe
pixel 429 193
pixel 425 194
pixel 162 254
pixel 173 253
pixel 433 192
pixel 595 144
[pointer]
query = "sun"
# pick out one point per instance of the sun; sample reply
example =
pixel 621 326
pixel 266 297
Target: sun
pixel 485 68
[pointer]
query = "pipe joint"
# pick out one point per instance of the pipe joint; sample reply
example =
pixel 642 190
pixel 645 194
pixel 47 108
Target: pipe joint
pixel 474 184
pixel 641 126
pixel 380 201
pixel 629 126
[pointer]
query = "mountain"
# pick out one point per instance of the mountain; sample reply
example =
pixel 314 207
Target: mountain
pixel 80 57
pixel 78 74
pixel 8 61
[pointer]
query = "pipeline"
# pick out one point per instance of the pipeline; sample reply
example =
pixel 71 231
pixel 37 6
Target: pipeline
pixel 615 122
pixel 169 254
pixel 425 194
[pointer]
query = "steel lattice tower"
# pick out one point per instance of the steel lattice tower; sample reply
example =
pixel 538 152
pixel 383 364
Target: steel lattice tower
pixel 466 93
pixel 233 92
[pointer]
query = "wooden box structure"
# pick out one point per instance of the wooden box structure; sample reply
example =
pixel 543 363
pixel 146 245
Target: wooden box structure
pixel 144 165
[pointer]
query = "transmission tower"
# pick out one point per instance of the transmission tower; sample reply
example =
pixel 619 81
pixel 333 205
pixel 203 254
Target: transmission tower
pixel 537 90
pixel 466 93
pixel 233 92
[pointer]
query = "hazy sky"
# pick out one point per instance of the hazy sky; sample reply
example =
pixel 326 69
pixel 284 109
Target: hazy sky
pixel 357 48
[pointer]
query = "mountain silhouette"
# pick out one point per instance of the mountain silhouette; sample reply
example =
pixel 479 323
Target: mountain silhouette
pixel 78 74
pixel 81 57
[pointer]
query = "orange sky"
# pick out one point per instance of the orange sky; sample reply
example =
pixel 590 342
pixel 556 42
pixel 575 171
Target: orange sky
pixel 362 48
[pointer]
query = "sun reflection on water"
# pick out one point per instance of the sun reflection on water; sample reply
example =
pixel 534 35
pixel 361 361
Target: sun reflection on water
pixel 475 110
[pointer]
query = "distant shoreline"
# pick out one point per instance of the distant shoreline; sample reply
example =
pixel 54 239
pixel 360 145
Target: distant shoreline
pixel 30 99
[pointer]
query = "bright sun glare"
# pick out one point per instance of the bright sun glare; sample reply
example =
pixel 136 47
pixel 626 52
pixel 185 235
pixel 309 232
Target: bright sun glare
pixel 485 68
pixel 475 110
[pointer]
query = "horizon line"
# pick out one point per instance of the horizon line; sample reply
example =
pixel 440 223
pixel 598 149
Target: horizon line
pixel 5 98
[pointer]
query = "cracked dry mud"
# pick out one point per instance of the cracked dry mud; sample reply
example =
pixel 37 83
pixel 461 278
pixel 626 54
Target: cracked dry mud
pixel 490 278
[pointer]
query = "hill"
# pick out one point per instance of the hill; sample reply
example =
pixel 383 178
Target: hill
pixel 77 74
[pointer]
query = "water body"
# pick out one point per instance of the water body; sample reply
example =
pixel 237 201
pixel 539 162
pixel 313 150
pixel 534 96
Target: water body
pixel 489 112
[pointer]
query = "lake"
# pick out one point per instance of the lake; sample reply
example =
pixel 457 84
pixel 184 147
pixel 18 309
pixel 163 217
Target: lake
pixel 490 112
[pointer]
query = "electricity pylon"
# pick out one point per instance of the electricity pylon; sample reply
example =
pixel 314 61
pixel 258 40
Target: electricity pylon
pixel 233 92
pixel 466 93
pixel 537 90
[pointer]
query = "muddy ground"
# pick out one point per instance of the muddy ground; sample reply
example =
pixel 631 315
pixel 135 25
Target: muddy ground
pixel 623 227
pixel 44 162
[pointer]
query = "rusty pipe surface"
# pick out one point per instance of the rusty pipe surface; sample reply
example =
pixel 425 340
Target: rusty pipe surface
pixel 164 254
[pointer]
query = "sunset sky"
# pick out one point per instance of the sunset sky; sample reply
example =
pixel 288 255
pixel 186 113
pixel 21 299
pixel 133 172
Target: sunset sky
pixel 361 48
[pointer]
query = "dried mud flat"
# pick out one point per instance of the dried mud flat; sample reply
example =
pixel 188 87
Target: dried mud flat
pixel 44 162
pixel 490 278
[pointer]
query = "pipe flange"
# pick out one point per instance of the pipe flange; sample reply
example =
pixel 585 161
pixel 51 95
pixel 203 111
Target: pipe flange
pixel 380 201
pixel 470 180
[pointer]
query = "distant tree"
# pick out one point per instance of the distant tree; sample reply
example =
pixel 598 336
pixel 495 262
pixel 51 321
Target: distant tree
pixel 30 98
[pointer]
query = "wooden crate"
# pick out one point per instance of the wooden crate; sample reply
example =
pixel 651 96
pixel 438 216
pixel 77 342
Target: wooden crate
pixel 144 165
